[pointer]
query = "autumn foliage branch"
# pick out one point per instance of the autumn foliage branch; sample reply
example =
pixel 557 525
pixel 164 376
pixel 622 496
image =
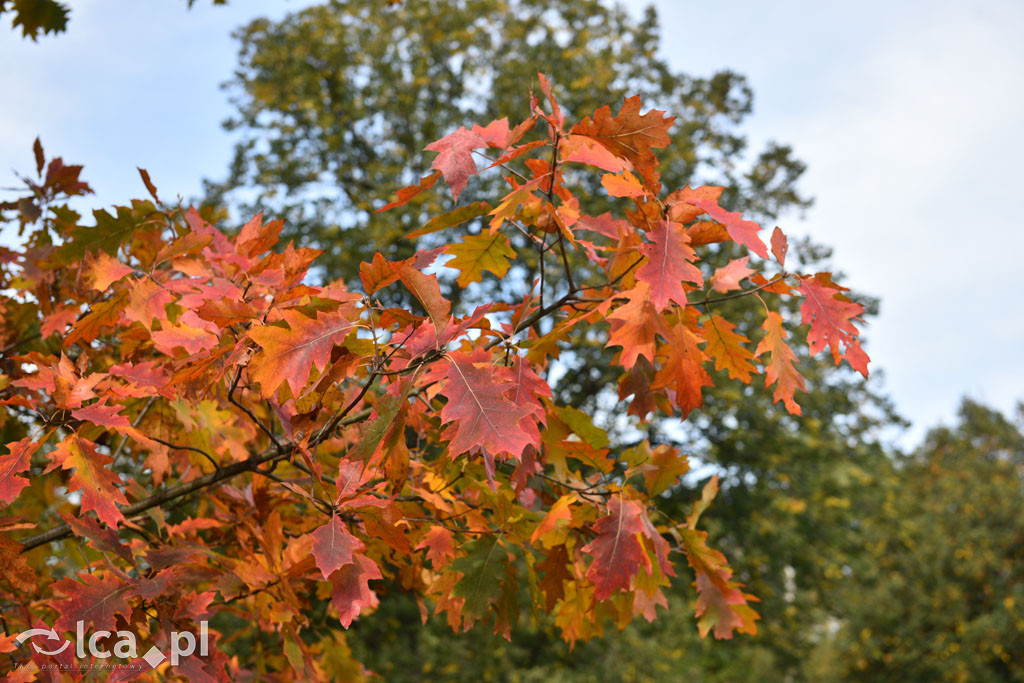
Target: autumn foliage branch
pixel 152 357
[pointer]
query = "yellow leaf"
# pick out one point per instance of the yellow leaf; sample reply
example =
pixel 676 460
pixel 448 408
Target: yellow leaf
pixel 477 253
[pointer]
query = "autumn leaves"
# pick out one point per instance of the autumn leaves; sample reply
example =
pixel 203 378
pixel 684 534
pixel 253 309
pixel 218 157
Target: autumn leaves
pixel 342 437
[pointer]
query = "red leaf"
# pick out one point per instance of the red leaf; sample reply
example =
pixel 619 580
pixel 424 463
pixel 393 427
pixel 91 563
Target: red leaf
pixel 99 486
pixel 831 320
pixel 617 551
pixel 95 600
pixel 102 538
pixel 333 546
pixel 477 403
pixel 17 460
pixel 455 158
pixel 669 263
pixel 350 589
pixel 744 232
pixel 104 415
pixel 494 133
pixel 728 277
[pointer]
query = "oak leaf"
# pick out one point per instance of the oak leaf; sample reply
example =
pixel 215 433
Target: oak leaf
pixel 477 253
pixel 831 316
pixel 740 230
pixel 350 588
pixel 617 551
pixel 94 600
pixel 630 134
pixel 333 546
pixel 780 369
pixel 289 355
pixel 729 276
pixel 17 460
pixel 669 263
pixel 483 414
pixel 455 158
pixel 98 484
pixel 683 369
pixel 103 270
pixel 727 348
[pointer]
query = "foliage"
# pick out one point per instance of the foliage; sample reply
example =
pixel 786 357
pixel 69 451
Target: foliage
pixel 936 589
pixel 258 449
pixel 336 101
pixel 46 16
pixel 35 16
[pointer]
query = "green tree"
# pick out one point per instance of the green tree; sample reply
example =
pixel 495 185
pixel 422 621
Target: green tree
pixel 937 591
pixel 336 102
pixel 335 105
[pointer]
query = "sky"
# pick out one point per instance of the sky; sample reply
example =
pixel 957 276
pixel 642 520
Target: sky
pixel 909 115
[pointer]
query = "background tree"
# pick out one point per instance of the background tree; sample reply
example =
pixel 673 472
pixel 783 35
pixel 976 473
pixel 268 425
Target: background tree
pixel 337 100
pixel 937 590
pixel 271 442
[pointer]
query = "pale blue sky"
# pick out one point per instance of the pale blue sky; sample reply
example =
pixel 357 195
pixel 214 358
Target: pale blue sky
pixel 910 116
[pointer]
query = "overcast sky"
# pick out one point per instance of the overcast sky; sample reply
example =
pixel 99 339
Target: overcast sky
pixel 909 115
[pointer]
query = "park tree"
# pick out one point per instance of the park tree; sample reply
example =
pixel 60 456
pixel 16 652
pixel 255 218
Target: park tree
pixel 936 589
pixel 226 437
pixel 336 100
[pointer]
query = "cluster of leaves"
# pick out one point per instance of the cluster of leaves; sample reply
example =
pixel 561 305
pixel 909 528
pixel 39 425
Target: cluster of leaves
pixel 35 16
pixel 255 448
pixel 46 16
pixel 336 101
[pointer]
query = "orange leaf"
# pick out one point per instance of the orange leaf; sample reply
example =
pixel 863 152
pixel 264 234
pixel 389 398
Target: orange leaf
pixel 289 355
pixel 99 485
pixel 103 269
pixel 684 369
pixel 635 325
pixel 629 134
pixel 726 347
pixel 780 369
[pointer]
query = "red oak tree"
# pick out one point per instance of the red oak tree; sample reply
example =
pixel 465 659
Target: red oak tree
pixel 197 429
